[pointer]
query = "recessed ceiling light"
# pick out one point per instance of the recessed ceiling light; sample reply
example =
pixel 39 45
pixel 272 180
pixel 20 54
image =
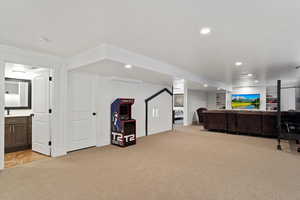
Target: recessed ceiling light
pixel 238 64
pixel 128 66
pixel 205 31
pixel 205 85
pixel 250 75
pixel 256 81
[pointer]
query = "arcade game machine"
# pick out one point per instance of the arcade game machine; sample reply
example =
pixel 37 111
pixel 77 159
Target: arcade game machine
pixel 123 127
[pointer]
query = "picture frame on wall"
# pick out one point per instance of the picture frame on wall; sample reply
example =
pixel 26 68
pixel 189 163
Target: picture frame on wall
pixel 178 100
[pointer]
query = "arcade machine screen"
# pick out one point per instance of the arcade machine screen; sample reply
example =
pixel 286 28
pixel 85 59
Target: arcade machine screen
pixel 125 111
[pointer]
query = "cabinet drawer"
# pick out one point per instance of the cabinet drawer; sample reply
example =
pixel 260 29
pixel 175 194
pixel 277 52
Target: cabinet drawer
pixel 15 120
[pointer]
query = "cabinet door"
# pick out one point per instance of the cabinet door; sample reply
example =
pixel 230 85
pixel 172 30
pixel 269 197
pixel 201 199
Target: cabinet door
pixel 20 134
pixel 9 137
pixel 29 131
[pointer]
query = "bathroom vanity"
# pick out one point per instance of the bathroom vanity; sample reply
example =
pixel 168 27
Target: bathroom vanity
pixel 18 122
pixel 18 133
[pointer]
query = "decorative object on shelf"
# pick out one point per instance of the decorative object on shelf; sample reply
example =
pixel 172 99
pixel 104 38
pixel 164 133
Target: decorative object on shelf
pixel 271 99
pixel 220 100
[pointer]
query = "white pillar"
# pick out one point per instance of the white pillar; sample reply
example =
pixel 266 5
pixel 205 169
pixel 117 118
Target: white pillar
pixel 186 105
pixel 2 67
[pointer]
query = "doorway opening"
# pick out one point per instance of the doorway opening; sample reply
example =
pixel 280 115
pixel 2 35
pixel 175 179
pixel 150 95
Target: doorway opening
pixel 178 103
pixel 28 98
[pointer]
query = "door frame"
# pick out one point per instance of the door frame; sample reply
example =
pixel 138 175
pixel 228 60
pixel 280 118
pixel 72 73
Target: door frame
pixel 57 68
pixel 67 107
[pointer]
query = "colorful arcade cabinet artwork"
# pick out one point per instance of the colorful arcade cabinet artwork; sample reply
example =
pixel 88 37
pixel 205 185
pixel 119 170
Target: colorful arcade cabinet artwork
pixel 123 127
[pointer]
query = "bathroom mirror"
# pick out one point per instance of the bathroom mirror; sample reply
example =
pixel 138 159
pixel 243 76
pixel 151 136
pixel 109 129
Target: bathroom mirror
pixel 17 94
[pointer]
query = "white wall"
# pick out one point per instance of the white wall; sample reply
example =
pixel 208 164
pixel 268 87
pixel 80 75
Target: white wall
pixel 109 90
pixel 288 99
pixel 2 65
pixel 248 90
pixel 160 114
pixel 195 100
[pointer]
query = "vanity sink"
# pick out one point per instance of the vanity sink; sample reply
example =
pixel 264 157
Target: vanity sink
pixel 20 115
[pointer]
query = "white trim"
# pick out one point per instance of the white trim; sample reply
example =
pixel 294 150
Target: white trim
pixel 57 116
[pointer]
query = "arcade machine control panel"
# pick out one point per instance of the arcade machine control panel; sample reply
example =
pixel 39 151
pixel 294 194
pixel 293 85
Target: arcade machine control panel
pixel 123 127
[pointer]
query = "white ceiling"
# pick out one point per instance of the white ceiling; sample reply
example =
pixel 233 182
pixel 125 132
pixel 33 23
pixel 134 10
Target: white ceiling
pixel 117 71
pixel 263 34
pixel 19 71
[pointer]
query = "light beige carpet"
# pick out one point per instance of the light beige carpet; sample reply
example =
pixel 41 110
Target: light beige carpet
pixel 186 164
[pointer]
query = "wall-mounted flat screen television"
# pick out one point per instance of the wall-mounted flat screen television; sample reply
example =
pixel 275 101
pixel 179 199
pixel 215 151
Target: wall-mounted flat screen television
pixel 245 101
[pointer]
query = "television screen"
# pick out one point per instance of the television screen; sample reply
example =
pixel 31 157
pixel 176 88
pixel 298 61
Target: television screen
pixel 245 101
pixel 124 109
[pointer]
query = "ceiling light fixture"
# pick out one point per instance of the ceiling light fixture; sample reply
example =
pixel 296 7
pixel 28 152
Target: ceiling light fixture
pixel 218 88
pixel 256 81
pixel 128 66
pixel 250 75
pixel 205 85
pixel 205 31
pixel 238 64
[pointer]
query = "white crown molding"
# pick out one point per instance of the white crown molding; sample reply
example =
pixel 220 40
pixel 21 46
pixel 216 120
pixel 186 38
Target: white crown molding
pixel 110 52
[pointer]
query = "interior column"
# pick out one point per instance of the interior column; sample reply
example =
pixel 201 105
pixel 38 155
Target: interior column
pixel 2 67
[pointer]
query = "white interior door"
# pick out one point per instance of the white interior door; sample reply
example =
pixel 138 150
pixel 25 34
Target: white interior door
pixel 41 118
pixel 82 124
